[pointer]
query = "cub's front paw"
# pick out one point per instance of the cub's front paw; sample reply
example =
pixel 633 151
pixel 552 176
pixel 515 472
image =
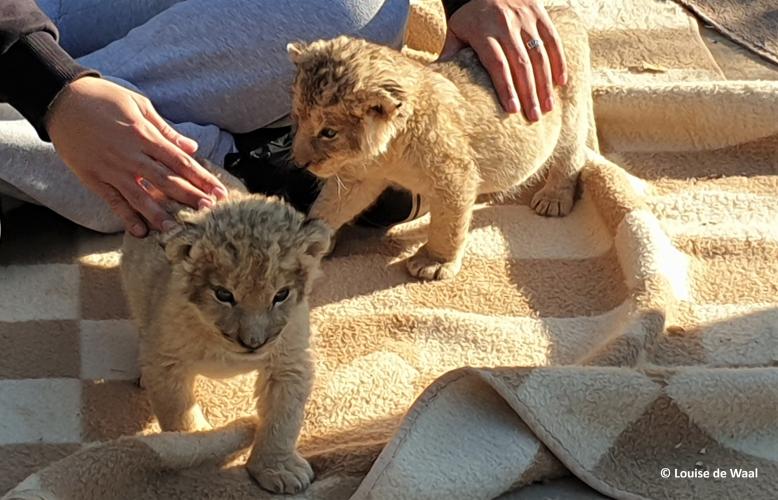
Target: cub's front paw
pixel 553 202
pixel 424 266
pixel 280 474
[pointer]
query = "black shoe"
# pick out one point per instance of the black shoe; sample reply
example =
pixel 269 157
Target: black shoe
pixel 264 164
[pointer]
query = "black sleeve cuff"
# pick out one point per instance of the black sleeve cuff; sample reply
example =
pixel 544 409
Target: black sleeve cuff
pixel 36 70
pixel 451 6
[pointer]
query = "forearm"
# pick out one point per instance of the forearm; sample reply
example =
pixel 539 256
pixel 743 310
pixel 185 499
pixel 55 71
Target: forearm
pixel 33 67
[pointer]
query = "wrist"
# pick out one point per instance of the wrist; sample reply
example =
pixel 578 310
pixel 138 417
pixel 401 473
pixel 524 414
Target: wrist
pixel 70 91
pixel 41 69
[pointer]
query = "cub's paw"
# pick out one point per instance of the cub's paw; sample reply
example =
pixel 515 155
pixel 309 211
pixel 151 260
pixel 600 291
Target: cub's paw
pixel 553 202
pixel 424 266
pixel 284 474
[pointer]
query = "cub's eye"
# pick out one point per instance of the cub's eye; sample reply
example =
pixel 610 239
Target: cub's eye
pixel 328 133
pixel 224 295
pixel 281 296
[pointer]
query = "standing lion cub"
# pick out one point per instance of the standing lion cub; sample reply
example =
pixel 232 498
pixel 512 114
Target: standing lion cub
pixel 368 117
pixel 226 293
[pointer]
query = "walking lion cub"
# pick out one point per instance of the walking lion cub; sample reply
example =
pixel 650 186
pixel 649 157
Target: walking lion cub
pixel 226 293
pixel 368 117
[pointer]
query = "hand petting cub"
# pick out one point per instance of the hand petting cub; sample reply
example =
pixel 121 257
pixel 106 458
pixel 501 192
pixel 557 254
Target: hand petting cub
pixel 226 293
pixel 368 117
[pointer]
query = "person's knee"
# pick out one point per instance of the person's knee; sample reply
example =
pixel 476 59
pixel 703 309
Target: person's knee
pixel 388 24
pixel 106 224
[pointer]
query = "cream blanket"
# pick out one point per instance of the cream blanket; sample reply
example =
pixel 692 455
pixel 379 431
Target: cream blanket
pixel 638 334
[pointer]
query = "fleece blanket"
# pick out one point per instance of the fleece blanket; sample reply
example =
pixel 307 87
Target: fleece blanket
pixel 631 345
pixel 751 23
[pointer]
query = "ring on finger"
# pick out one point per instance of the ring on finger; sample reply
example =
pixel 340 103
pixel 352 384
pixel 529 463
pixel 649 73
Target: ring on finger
pixel 534 43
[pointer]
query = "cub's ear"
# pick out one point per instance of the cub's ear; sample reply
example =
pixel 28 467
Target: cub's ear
pixel 386 100
pixel 316 238
pixel 178 242
pixel 295 50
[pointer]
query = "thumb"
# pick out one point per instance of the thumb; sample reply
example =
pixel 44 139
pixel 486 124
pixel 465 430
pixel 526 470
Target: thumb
pixel 189 146
pixel 451 46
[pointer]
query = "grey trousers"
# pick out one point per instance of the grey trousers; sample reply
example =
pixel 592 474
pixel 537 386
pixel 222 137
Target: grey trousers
pixel 211 68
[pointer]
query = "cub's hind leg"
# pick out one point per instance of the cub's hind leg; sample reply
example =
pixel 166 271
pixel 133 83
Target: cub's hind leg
pixel 556 197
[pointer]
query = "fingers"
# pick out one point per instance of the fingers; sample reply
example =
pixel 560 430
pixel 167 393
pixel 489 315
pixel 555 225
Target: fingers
pixel 522 70
pixel 554 48
pixel 185 166
pixel 141 200
pixel 171 185
pixel 122 209
pixel 162 146
pixel 451 46
pixel 188 145
pixel 492 56
pixel 541 69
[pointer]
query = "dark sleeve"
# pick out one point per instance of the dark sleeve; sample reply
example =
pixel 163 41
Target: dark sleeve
pixel 451 6
pixel 33 67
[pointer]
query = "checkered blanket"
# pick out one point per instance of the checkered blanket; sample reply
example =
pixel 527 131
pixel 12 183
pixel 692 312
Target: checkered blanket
pixel 633 339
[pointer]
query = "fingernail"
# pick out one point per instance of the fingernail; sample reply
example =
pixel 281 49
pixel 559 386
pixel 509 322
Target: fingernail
pixel 534 114
pixel 168 225
pixel 189 143
pixel 219 193
pixel 204 203
pixel 138 230
pixel 548 104
pixel 563 78
pixel 513 105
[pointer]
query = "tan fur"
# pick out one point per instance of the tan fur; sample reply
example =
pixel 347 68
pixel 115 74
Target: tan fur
pixel 252 246
pixel 437 130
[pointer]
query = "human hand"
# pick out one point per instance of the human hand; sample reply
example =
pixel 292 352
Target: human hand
pixel 120 148
pixel 498 31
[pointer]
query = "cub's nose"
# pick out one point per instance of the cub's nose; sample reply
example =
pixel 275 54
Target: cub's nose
pixel 250 343
pixel 254 341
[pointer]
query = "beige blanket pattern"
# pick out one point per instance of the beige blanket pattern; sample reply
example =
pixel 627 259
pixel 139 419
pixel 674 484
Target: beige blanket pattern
pixel 751 23
pixel 638 333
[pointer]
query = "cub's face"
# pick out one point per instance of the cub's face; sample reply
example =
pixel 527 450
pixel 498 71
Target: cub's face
pixel 246 267
pixel 346 106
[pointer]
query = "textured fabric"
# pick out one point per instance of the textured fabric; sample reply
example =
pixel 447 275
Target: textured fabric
pixel 635 334
pixel 19 18
pixel 86 26
pixel 751 23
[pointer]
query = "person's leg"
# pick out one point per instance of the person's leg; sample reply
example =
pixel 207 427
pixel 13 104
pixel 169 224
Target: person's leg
pixel 200 61
pixel 88 25
pixel 224 62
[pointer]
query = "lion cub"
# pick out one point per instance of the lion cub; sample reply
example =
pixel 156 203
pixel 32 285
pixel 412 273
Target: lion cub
pixel 368 117
pixel 226 293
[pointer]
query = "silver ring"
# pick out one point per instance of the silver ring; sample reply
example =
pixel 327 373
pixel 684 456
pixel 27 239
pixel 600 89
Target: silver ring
pixel 534 43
